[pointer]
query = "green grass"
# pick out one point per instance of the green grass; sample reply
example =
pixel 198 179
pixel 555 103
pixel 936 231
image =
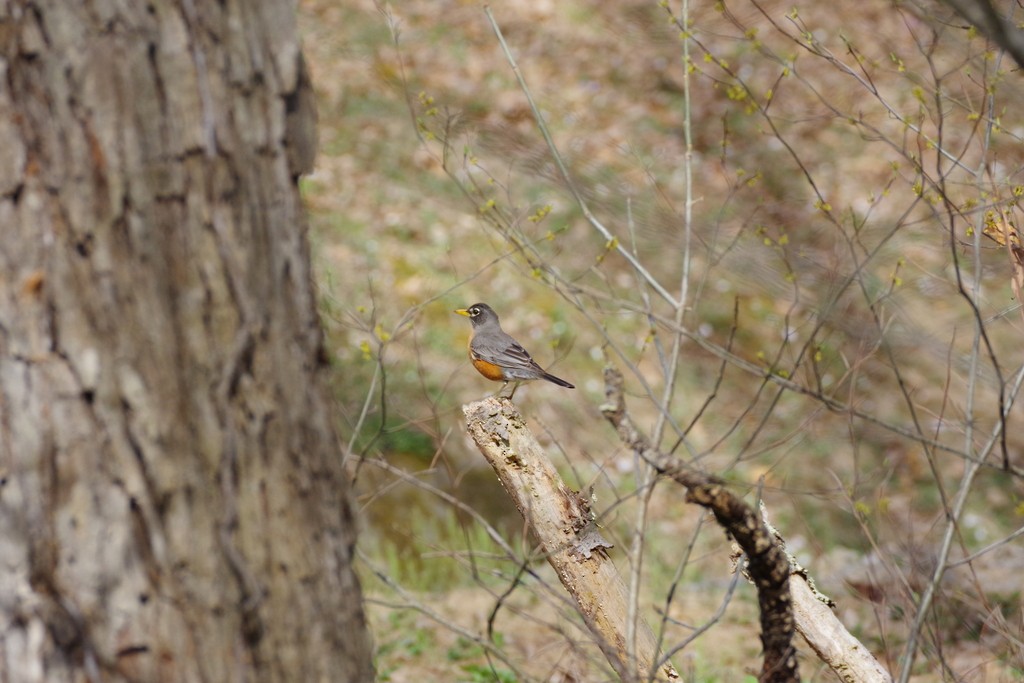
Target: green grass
pixel 426 549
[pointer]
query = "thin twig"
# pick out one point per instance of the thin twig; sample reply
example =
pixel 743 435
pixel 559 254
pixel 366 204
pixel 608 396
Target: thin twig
pixel 584 208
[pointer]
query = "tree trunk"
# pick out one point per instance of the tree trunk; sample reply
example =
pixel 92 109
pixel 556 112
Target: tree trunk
pixel 172 500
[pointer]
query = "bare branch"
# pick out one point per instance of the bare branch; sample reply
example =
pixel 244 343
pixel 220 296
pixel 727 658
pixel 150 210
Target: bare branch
pixel 830 640
pixel 562 521
pixel 984 16
pixel 768 565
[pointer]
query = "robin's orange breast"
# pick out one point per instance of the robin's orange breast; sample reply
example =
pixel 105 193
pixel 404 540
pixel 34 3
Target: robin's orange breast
pixel 488 370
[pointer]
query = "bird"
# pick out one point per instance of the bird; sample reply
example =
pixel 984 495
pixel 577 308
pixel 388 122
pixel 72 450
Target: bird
pixel 499 357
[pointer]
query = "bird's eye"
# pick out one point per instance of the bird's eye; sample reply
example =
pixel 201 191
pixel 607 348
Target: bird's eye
pixel 474 311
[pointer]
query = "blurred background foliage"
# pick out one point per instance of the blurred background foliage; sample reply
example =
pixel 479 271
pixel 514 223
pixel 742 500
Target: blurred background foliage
pixel 844 162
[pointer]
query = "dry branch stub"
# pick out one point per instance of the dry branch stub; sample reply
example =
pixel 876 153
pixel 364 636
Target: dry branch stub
pixel 845 655
pixel 561 519
pixel 767 562
pixel 786 599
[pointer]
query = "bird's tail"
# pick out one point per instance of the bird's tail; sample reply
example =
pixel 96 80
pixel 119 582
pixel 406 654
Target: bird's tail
pixel 560 382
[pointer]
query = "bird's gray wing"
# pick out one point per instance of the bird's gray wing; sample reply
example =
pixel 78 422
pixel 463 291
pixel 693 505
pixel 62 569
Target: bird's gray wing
pixel 504 351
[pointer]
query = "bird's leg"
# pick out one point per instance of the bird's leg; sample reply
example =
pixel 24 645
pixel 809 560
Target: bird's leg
pixel 497 394
pixel 514 387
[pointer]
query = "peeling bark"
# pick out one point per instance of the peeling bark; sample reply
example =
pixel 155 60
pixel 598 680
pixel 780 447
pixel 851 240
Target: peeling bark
pixel 172 501
pixel 561 520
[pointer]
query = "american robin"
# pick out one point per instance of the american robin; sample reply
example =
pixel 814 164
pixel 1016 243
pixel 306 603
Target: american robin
pixel 499 357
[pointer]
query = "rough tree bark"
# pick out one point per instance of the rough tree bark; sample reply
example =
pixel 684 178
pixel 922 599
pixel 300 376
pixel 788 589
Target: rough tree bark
pixel 172 500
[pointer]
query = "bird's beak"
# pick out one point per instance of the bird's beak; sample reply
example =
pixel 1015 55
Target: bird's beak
pixel 461 311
